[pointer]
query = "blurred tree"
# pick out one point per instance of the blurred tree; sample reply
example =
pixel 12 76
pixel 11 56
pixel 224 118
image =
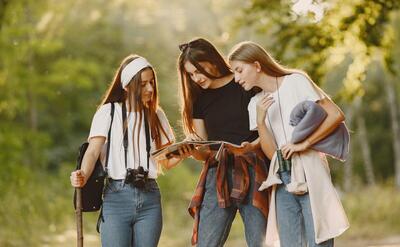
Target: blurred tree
pixel 363 140
pixel 391 43
pixel 325 36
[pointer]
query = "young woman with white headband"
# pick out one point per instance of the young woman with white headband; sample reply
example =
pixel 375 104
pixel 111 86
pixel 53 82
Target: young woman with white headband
pixel 131 213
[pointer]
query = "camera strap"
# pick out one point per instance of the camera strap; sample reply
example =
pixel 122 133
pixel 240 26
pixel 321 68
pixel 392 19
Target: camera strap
pixel 125 132
pixel 147 131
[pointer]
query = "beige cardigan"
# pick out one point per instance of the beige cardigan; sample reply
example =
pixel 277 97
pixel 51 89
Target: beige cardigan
pixel 310 172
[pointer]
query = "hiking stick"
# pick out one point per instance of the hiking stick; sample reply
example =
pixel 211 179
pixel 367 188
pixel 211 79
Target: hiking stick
pixel 78 212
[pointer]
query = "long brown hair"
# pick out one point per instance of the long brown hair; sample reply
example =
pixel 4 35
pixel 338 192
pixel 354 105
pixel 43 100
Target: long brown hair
pixel 197 51
pixel 116 93
pixel 250 52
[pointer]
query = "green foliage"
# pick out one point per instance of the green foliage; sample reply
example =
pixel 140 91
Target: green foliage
pixel 58 58
pixel 367 208
pixel 344 52
pixel 33 205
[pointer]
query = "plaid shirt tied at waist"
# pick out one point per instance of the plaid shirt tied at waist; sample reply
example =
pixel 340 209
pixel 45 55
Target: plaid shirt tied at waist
pixel 240 186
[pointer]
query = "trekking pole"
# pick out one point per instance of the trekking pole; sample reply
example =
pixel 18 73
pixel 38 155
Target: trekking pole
pixel 78 212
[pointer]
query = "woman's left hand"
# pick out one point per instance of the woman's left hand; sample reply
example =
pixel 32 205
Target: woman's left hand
pixel 289 149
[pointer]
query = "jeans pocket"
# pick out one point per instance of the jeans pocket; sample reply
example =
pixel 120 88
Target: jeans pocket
pixel 211 178
pixel 114 187
pixel 152 186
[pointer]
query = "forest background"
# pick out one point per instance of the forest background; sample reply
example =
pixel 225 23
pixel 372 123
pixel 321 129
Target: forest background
pixel 58 57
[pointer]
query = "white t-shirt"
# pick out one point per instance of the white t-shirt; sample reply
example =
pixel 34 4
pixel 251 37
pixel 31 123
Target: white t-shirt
pixel 116 161
pixel 294 89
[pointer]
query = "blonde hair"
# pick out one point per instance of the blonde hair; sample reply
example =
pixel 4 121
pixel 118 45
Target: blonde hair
pixel 250 52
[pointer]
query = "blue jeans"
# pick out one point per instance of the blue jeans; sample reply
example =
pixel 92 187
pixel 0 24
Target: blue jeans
pixel 132 216
pixel 215 222
pixel 295 218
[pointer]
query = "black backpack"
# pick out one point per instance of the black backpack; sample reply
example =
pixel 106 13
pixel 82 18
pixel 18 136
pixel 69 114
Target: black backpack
pixel 92 192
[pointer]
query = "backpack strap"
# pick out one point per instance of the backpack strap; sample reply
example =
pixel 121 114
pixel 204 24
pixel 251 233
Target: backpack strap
pixel 109 137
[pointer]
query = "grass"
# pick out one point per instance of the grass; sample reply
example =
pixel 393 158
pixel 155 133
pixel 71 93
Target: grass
pixel 35 207
pixel 374 212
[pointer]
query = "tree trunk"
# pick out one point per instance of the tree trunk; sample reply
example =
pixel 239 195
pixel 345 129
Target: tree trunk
pixel 3 8
pixel 391 96
pixel 32 114
pixel 365 149
pixel 348 166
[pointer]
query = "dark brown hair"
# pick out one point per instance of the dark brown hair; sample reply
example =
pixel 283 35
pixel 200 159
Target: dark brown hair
pixel 197 51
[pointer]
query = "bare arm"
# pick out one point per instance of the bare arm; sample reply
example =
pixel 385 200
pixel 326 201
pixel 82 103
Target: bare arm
pixel 200 128
pixel 334 117
pixel 186 151
pixel 266 139
pixel 201 131
pixel 170 163
pixel 80 177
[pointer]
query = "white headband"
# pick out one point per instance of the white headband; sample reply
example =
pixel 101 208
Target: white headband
pixel 131 70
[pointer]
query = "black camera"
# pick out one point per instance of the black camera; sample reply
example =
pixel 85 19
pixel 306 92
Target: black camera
pixel 136 177
pixel 284 165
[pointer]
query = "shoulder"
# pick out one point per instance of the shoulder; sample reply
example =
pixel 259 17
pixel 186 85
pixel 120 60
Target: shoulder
pixel 300 81
pixel 104 109
pixel 101 121
pixel 305 88
pixel 236 89
pixel 298 77
pixel 234 86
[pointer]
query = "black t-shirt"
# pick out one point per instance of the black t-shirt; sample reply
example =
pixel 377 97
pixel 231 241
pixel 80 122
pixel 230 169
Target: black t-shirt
pixel 224 111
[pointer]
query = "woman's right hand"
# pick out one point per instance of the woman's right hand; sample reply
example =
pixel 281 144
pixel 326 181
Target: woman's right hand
pixel 184 151
pixel 78 178
pixel 263 105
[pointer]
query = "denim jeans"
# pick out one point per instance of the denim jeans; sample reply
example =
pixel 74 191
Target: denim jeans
pixel 215 222
pixel 132 216
pixel 295 218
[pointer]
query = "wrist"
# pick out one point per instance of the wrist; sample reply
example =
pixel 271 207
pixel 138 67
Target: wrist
pixel 307 143
pixel 85 178
pixel 260 123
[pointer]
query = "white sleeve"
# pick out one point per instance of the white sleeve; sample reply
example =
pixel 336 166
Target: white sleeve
pixel 305 89
pixel 167 128
pixel 101 122
pixel 252 113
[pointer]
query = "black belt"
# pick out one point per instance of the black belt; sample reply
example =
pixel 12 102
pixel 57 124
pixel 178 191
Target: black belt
pixel 121 180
